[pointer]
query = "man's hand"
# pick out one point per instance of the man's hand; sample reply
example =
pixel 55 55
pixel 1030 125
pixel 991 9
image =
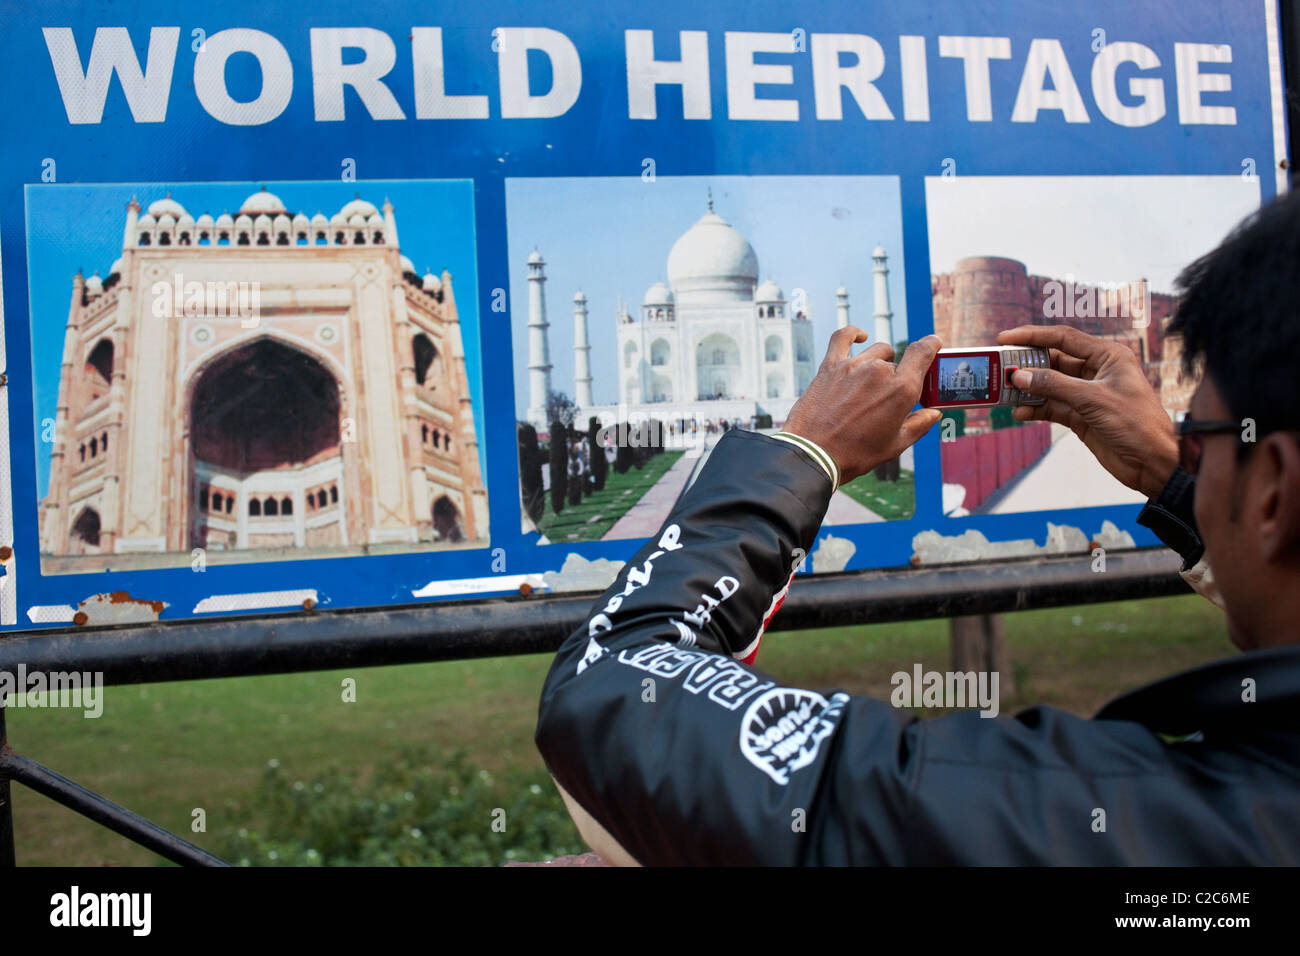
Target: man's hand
pixel 1098 390
pixel 859 407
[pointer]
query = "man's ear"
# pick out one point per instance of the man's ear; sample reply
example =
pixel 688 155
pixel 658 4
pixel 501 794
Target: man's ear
pixel 1278 464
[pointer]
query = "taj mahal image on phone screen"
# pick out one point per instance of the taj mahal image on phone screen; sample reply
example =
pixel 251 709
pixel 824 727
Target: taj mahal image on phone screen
pixel 261 383
pixel 963 378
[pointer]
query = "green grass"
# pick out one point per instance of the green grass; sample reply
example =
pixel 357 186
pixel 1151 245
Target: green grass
pixel 892 500
pixel 621 492
pixel 165 749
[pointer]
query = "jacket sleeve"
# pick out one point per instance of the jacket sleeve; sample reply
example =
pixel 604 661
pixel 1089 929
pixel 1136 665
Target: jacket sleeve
pixel 639 713
pixel 668 749
pixel 1172 518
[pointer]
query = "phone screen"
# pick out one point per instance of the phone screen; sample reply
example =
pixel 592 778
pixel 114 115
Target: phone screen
pixel 963 378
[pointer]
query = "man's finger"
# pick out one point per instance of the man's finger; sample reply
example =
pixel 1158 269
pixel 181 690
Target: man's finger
pixel 1067 363
pixel 1051 384
pixel 877 350
pixel 918 358
pixel 1050 411
pixel 842 341
pixel 1064 338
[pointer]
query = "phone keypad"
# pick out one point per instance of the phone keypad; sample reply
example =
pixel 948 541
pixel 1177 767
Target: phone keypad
pixel 1027 359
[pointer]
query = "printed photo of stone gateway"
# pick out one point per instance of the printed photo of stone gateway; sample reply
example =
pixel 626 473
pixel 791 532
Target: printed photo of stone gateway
pixel 261 373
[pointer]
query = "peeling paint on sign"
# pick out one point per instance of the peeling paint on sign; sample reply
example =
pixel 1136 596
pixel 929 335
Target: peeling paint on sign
pixel 492 584
pixel 254 601
pixel 832 554
pixel 51 613
pixel 117 607
pixel 930 547
pixel 579 574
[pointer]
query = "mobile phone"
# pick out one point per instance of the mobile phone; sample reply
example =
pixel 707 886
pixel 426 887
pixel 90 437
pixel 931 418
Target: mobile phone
pixel 980 378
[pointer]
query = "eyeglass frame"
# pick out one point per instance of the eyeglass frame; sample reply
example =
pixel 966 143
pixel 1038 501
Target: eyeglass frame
pixel 1185 428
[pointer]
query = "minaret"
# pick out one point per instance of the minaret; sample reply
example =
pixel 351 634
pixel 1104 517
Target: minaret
pixel 841 307
pixel 884 317
pixel 132 217
pixel 390 225
pixel 539 353
pixel 581 353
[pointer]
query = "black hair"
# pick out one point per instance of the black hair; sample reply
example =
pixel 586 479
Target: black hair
pixel 1239 312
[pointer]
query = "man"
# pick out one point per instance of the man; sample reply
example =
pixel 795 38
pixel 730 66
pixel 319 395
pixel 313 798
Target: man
pixel 669 749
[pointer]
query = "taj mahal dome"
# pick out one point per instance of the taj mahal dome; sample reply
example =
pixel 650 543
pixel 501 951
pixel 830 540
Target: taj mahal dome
pixel 711 342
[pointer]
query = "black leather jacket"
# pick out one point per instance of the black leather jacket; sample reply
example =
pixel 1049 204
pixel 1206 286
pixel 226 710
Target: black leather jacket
pixel 669 750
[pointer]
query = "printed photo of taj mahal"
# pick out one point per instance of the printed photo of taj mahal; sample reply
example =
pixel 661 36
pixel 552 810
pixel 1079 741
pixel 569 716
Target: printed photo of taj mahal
pixel 249 372
pixel 650 316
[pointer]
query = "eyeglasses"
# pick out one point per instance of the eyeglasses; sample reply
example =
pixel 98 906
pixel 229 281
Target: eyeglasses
pixel 1191 440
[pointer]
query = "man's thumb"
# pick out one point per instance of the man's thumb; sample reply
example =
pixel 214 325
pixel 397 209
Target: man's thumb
pixel 918 423
pixel 1048 383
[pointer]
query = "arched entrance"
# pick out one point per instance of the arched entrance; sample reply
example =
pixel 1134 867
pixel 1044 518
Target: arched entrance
pixel 660 352
pixel 446 521
pixel 85 532
pixel 99 369
pixel 265 431
pixel 717 367
pixel 773 349
pixel 425 355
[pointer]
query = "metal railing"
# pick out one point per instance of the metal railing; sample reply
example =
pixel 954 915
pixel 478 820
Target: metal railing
pixel 319 640
pixel 326 640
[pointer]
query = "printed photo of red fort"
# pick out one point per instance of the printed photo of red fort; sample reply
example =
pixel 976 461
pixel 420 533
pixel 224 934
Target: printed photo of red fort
pixel 1015 260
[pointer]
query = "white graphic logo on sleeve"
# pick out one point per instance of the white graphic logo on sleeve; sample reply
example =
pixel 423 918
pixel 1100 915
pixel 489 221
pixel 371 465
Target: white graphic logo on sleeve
pixel 783 729
pixel 594 653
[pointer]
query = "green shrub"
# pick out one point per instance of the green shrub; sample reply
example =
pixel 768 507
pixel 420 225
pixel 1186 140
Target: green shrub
pixel 958 416
pixel 599 463
pixel 530 472
pixel 1000 417
pixel 420 809
pixel 559 451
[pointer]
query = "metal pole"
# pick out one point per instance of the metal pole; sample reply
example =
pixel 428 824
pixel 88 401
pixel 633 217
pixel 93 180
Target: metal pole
pixel 1290 41
pixel 6 805
pixel 460 630
pixel 104 812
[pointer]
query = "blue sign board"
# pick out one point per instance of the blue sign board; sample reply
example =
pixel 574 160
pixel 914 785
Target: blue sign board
pixel 326 306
